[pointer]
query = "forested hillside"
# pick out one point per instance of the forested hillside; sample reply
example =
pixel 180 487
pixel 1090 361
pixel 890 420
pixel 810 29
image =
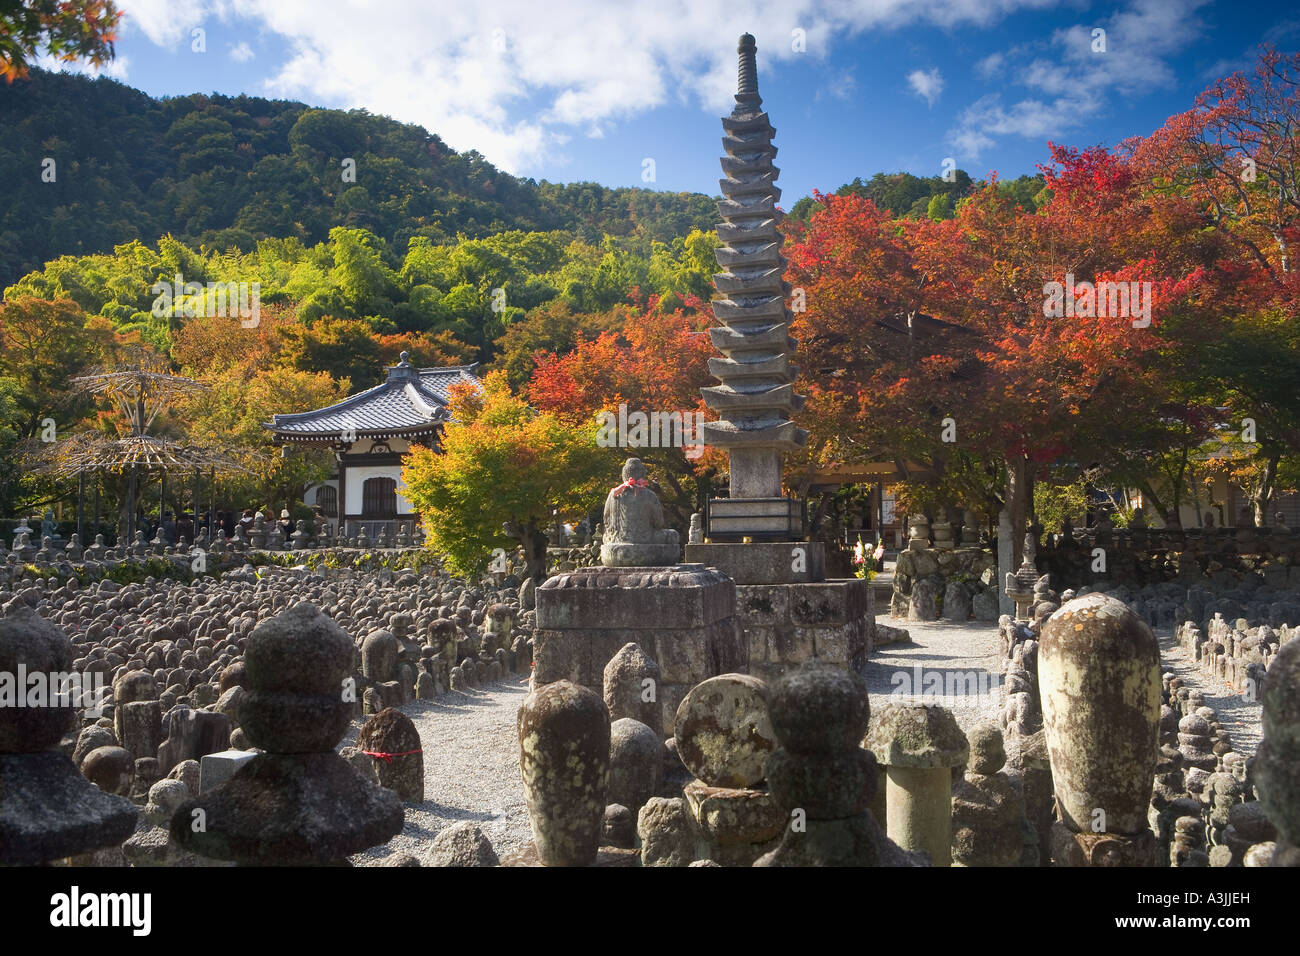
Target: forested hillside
pixel 227 171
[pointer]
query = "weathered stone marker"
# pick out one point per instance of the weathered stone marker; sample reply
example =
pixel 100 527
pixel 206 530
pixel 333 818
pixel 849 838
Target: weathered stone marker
pixel 724 734
pixel 47 809
pixel 391 740
pixel 1099 677
pixel 820 776
pixel 988 814
pixel 1277 766
pixel 564 759
pixel 918 746
pixel 299 803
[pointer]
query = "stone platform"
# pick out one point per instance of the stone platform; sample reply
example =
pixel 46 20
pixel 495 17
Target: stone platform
pixel 683 617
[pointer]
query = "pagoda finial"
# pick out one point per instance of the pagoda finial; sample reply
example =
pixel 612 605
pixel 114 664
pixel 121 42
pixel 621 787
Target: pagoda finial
pixel 747 74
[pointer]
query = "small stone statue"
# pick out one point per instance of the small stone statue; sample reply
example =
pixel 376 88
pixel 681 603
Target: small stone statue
pixel 696 533
pixel 635 535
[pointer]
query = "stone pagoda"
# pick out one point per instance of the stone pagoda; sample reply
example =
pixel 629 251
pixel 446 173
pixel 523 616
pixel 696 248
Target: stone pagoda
pixel 756 398
pixel 788 610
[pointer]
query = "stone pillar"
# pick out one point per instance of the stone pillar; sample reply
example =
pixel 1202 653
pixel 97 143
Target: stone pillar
pixel 1099 679
pixel 564 758
pixel 48 810
pixel 298 803
pixel 1277 765
pixel 636 765
pixel 918 746
pixel 1006 561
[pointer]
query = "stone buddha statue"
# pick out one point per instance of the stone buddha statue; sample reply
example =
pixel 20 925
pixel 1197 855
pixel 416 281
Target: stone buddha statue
pixel 635 535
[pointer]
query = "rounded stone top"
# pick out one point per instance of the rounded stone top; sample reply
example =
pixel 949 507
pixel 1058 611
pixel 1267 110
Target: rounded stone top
pixel 109 768
pixel 819 708
pixel 1250 821
pixel 133 686
pixel 29 640
pixel 167 795
pixel 987 752
pixel 1194 724
pixel 724 734
pixel 298 651
pixel 916 736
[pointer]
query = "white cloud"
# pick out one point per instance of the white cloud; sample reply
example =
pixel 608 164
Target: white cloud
pixel 1070 83
pixel 588 63
pixel 118 68
pixel 991 65
pixel 164 22
pixel 242 53
pixel 927 84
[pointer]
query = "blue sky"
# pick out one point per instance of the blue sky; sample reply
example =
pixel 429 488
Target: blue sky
pixel 570 90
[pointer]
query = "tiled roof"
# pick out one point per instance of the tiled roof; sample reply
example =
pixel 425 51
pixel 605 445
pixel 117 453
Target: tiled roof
pixel 412 401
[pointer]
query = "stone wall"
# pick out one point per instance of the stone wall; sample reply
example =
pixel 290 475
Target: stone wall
pixel 955 584
pixel 1222 558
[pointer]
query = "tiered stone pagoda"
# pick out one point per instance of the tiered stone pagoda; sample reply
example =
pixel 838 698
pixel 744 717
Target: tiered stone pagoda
pixel 756 398
pixel 787 609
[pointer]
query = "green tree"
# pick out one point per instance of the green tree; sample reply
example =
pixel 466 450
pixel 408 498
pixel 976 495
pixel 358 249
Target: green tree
pixel 502 468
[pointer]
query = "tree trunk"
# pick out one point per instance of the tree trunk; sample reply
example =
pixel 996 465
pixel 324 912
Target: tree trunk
pixel 533 540
pixel 1016 506
pixel 1264 490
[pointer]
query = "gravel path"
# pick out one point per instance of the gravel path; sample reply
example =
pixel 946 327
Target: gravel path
pixel 964 657
pixel 1238 716
pixel 471 769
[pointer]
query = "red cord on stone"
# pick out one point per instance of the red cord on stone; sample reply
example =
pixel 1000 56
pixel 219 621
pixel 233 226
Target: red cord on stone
pixel 379 755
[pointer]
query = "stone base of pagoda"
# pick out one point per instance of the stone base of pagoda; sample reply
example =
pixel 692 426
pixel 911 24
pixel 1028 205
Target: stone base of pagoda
pixel 759 519
pixel 682 616
pixel 786 625
pixel 763 562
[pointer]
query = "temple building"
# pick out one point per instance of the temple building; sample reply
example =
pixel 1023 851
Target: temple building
pixel 369 433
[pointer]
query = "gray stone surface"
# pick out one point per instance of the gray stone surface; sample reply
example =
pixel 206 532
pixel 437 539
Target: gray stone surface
pixel 724 735
pixel 564 741
pixel 461 844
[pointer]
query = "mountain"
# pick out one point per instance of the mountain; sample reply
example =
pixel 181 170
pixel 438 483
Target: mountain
pixel 89 164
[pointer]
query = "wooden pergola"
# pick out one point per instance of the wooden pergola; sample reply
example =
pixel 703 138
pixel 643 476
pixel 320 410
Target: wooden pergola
pixel 141 393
